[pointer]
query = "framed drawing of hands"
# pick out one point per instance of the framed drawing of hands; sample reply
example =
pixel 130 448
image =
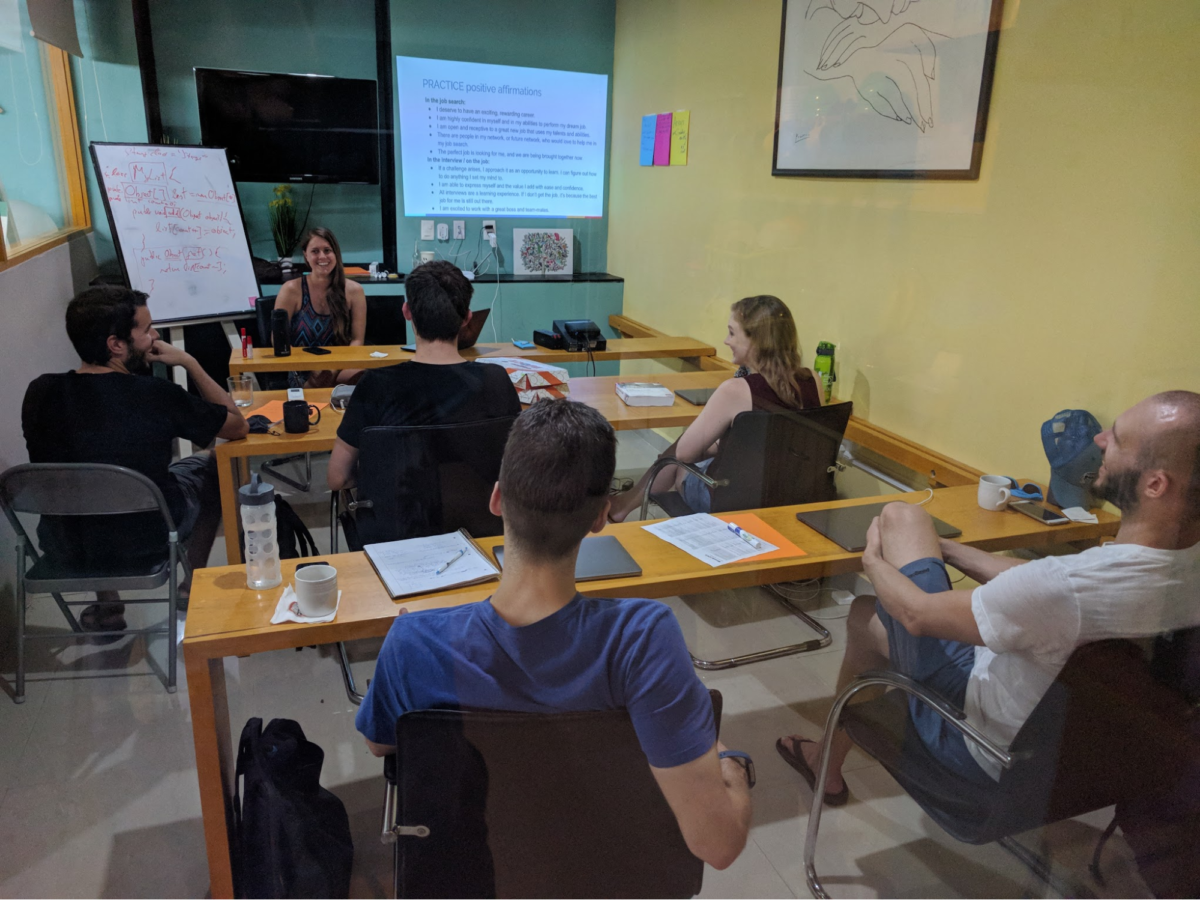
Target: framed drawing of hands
pixel 884 88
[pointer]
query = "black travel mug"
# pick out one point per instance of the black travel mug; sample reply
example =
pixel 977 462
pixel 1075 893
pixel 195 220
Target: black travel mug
pixel 279 332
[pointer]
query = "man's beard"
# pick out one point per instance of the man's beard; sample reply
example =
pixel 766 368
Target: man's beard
pixel 1120 489
pixel 137 362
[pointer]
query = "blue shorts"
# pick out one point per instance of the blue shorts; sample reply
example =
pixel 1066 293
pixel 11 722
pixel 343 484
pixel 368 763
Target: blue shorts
pixel 941 666
pixel 695 492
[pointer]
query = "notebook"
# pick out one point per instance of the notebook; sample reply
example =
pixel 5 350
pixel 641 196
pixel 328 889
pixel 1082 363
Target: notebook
pixel 599 557
pixel 847 526
pixel 411 567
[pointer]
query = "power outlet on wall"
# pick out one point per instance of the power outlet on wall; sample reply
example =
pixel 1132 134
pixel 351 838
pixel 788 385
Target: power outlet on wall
pixel 489 231
pixel 443 231
pixel 427 229
pixel 460 229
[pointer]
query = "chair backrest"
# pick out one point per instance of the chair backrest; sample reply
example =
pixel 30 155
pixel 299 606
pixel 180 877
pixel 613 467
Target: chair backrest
pixel 779 458
pixel 385 320
pixel 534 805
pixel 429 479
pixel 79 489
pixel 1075 760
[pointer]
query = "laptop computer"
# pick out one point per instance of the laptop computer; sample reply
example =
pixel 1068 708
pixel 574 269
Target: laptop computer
pixel 696 396
pixel 469 333
pixel 599 557
pixel 847 526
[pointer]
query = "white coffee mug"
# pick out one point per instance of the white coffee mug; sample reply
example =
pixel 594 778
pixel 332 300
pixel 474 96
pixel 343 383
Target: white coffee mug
pixel 316 590
pixel 994 492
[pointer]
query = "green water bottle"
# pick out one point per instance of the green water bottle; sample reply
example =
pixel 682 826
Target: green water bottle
pixel 824 367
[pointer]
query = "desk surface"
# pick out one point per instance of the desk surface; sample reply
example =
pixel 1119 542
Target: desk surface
pixel 227 618
pixel 265 360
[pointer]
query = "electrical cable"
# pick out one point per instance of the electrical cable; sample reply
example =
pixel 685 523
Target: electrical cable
pixel 95 78
pixel 788 590
pixel 12 75
pixel 307 211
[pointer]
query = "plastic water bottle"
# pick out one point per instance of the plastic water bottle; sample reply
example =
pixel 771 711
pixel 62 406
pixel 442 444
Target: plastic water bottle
pixel 262 536
pixel 823 364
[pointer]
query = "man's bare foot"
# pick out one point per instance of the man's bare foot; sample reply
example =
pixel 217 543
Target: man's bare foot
pixel 810 752
pixel 623 504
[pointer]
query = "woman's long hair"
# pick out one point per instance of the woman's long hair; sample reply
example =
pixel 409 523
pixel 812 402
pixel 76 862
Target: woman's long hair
pixel 339 307
pixel 774 347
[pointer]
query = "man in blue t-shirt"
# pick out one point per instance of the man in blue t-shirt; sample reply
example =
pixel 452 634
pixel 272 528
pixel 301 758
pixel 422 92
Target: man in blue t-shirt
pixel 537 645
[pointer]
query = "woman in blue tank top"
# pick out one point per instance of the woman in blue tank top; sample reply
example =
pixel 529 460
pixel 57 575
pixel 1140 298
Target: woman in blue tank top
pixel 324 309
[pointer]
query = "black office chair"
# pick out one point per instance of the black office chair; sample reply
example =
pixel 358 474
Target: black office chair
pixel 1069 758
pixel 385 325
pixel 777 458
pixel 421 480
pixel 84 489
pixel 503 804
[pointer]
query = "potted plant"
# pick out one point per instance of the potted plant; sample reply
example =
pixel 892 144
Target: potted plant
pixel 284 229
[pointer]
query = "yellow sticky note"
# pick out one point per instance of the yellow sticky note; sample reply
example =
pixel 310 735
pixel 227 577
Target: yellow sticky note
pixel 679 137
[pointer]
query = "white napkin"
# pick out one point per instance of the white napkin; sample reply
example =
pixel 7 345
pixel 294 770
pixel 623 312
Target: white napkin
pixel 288 610
pixel 1079 514
pixel 377 355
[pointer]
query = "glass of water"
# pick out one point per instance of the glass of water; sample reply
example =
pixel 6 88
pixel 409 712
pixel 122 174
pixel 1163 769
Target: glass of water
pixel 241 389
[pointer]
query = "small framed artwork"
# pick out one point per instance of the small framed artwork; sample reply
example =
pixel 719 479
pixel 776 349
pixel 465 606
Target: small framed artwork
pixel 543 251
pixel 884 88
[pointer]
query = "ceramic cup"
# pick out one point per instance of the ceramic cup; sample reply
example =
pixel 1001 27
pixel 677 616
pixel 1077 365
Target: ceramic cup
pixel 316 590
pixel 994 492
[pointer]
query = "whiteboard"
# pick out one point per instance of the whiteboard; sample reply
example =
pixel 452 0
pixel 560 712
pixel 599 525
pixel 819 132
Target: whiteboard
pixel 177 224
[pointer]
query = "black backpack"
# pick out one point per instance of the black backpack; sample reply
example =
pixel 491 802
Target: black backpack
pixel 292 837
pixel 295 540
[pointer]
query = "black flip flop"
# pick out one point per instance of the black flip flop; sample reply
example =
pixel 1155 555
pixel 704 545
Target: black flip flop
pixel 797 762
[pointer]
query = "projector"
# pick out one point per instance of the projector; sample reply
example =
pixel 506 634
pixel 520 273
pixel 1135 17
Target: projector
pixel 579 335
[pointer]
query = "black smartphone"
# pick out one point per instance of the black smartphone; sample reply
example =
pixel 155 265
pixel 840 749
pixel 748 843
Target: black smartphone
pixel 316 351
pixel 1041 513
pixel 319 562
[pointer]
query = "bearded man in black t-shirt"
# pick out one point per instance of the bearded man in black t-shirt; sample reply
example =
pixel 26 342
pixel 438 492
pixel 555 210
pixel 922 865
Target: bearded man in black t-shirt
pixel 438 387
pixel 110 410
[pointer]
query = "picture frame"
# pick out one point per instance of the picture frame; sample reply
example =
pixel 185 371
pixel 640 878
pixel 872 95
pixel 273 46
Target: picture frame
pixel 884 88
pixel 548 252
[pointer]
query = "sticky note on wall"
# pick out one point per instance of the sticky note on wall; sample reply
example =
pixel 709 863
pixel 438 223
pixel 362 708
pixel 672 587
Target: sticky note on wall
pixel 662 140
pixel 646 154
pixel 680 120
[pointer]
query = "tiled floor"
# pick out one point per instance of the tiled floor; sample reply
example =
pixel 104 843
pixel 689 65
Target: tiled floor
pixel 98 789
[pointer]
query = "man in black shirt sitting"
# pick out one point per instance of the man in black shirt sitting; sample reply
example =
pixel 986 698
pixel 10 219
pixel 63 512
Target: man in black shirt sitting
pixel 110 411
pixel 438 387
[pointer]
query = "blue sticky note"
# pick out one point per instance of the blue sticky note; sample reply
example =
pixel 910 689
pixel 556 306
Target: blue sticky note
pixel 649 124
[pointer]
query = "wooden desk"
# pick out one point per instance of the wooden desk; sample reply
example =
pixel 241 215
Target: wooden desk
pixel 227 619
pixel 599 392
pixel 265 360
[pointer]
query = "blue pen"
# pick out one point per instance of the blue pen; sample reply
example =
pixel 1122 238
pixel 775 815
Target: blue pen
pixel 451 561
pixel 748 538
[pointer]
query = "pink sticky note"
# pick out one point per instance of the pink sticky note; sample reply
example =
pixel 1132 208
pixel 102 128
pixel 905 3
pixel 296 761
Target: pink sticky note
pixel 662 140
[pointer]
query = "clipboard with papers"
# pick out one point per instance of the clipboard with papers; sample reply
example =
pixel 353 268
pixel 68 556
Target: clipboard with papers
pixel 426 564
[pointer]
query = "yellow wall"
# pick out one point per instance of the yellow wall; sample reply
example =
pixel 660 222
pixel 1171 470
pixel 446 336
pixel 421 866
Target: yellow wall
pixel 965 314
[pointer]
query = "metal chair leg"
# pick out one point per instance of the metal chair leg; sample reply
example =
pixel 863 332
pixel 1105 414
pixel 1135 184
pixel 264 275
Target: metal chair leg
pixel 348 676
pixel 759 656
pixel 1040 869
pixel 172 612
pixel 19 696
pixel 269 468
pixel 333 521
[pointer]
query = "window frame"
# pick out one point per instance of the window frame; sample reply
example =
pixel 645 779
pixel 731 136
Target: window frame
pixel 56 74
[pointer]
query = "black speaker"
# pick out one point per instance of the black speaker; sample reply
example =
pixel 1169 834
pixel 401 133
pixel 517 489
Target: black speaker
pixel 279 333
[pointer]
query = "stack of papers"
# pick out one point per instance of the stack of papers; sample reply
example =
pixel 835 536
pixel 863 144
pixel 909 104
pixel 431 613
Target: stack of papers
pixel 411 567
pixel 645 393
pixel 708 539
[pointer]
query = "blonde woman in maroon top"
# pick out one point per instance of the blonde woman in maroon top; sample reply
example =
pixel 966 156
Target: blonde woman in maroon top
pixel 762 339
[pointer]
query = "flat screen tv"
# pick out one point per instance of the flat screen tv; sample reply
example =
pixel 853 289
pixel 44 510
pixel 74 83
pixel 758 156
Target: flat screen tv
pixel 309 128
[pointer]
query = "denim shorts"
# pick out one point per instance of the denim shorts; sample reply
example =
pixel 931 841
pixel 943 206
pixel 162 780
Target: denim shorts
pixel 942 666
pixel 695 492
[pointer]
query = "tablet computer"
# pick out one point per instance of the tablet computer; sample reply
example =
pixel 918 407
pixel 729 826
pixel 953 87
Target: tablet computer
pixel 847 526
pixel 696 396
pixel 599 557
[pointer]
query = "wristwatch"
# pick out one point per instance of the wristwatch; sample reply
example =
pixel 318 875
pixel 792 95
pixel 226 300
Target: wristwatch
pixel 743 759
